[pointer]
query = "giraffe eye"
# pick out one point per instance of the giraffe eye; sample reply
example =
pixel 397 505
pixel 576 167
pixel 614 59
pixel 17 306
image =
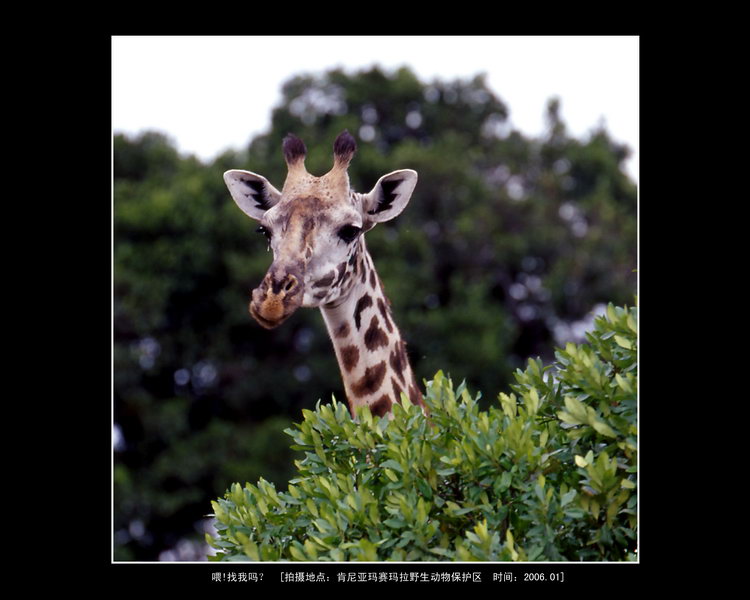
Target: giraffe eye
pixel 264 231
pixel 348 233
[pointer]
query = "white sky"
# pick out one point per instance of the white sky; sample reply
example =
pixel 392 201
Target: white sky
pixel 213 93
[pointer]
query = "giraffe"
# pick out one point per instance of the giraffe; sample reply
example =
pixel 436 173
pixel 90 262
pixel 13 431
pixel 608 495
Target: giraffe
pixel 315 227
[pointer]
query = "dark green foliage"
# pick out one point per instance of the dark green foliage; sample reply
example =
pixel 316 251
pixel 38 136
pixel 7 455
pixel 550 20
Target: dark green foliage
pixel 505 238
pixel 548 472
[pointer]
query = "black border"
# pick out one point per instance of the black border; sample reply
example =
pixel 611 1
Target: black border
pixel 195 577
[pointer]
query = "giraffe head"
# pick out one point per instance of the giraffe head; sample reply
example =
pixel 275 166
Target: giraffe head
pixel 314 227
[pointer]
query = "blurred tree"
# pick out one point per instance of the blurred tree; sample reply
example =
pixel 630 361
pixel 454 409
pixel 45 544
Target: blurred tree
pixel 182 340
pixel 505 237
pixel 506 240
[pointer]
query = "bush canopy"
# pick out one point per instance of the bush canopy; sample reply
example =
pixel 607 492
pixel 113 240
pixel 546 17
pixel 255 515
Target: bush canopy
pixel 547 473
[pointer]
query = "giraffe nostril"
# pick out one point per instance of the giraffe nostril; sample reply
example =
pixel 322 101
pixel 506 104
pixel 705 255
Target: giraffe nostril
pixel 290 284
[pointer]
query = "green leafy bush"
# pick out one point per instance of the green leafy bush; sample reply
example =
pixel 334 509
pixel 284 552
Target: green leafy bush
pixel 547 473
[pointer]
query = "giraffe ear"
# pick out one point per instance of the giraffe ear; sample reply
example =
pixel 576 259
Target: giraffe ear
pixel 389 196
pixel 252 193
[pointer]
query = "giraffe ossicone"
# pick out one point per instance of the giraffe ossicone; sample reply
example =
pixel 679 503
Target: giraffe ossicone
pixel 315 227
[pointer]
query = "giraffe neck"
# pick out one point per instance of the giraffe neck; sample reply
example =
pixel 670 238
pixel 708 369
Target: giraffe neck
pixel 369 348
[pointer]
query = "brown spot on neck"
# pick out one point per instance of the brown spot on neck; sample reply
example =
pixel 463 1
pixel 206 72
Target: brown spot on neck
pixel 349 357
pixel 381 406
pixel 375 337
pixel 364 302
pixel 397 360
pixel 342 330
pixel 384 313
pixel 370 382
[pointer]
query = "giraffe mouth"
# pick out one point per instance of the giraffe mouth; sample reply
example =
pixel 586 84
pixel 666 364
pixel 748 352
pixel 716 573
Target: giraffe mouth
pixel 271 304
pixel 265 323
pixel 271 318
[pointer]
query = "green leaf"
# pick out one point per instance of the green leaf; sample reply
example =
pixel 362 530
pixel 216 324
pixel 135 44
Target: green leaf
pixel 623 383
pixel 624 342
pixel 250 549
pixel 424 488
pixel 369 550
pixel 391 475
pixel 508 404
pixel 296 553
pixel 510 544
pixel 392 464
pixel 532 401
pixel 473 537
pixel 505 480
pixel 568 418
pixel 422 512
pixel 576 409
pixel 567 498
pixel 603 428
pixel 611 313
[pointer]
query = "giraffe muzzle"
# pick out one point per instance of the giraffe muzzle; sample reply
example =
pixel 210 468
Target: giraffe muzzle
pixel 276 298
